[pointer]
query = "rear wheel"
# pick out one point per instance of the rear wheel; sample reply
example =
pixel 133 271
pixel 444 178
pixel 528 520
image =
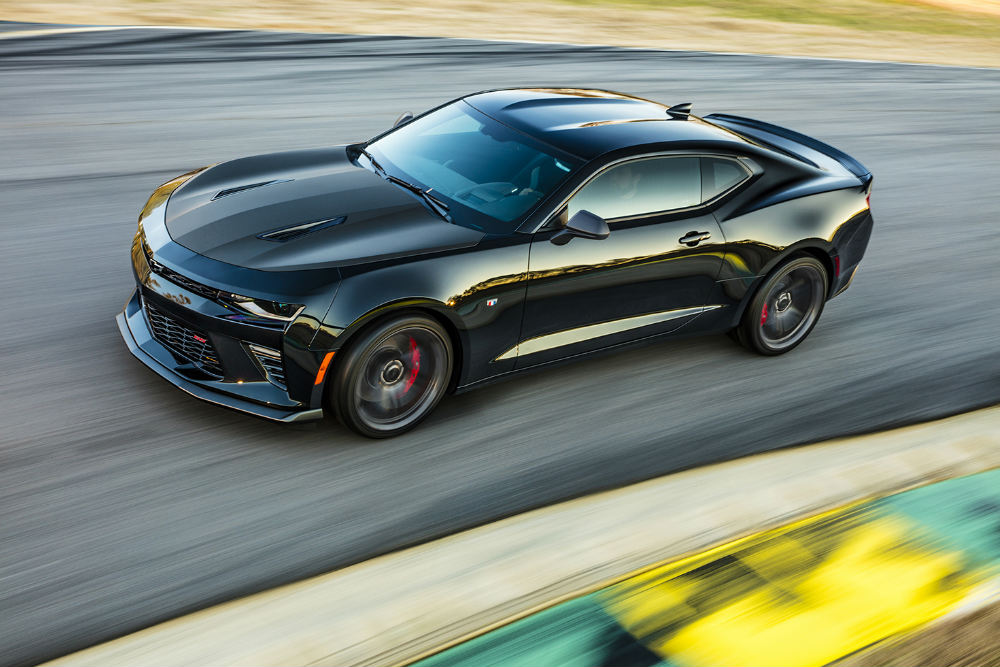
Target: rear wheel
pixel 785 308
pixel 392 377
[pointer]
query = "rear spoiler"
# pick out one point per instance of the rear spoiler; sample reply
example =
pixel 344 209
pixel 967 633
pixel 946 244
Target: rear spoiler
pixel 757 130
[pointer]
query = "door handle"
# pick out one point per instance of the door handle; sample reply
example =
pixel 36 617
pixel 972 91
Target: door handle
pixel 691 239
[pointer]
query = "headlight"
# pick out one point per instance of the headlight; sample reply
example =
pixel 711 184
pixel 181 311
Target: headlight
pixel 272 310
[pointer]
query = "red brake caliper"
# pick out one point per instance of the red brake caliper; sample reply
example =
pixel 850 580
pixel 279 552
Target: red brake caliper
pixel 415 365
pixel 763 315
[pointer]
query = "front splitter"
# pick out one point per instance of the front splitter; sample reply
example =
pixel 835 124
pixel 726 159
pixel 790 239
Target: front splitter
pixel 196 390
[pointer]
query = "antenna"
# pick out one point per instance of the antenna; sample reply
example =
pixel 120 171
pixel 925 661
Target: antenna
pixel 680 111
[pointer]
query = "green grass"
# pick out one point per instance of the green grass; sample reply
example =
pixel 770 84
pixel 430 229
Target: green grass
pixel 877 15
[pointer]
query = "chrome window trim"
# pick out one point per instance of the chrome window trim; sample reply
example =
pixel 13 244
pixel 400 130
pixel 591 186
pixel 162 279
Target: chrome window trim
pixel 746 163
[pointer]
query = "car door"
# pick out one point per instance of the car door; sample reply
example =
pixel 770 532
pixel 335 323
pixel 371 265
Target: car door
pixel 651 275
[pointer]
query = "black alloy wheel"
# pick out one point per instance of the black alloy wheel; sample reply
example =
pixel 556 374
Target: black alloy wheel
pixel 392 377
pixel 785 308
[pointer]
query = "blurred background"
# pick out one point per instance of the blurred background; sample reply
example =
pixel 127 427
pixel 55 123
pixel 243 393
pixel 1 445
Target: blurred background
pixel 124 502
pixel 963 32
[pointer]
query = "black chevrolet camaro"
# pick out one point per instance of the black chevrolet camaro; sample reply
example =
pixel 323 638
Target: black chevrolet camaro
pixel 499 232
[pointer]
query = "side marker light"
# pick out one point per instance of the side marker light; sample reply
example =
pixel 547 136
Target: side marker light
pixel 323 366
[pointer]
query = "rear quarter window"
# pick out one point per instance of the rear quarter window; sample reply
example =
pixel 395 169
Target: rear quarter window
pixel 720 175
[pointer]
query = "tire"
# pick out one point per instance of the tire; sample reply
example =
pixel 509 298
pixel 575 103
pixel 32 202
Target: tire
pixel 392 376
pixel 785 307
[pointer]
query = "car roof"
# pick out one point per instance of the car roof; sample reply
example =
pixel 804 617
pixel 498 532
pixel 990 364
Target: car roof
pixel 588 123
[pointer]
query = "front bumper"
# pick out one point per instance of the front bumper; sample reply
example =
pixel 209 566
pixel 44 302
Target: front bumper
pixel 259 399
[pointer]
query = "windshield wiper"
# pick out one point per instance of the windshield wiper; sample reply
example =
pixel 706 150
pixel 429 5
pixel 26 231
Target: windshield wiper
pixel 432 202
pixel 379 169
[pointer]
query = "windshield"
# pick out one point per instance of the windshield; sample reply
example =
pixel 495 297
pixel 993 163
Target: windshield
pixel 471 160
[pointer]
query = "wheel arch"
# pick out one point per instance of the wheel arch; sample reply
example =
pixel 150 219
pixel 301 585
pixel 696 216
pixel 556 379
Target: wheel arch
pixel 809 247
pixel 825 258
pixel 435 310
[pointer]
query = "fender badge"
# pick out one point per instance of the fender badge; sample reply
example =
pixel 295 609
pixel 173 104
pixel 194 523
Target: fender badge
pixel 491 302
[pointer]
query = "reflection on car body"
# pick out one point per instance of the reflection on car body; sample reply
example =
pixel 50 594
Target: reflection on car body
pixel 498 232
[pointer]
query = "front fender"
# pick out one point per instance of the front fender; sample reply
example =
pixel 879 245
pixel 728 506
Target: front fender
pixel 479 293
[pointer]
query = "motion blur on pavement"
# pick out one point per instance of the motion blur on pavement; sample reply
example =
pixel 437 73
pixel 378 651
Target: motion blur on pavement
pixel 126 503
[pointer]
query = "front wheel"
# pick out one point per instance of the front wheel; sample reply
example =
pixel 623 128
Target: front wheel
pixel 392 377
pixel 785 308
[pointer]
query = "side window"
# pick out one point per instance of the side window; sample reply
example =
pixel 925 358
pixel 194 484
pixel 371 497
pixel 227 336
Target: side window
pixel 638 187
pixel 719 175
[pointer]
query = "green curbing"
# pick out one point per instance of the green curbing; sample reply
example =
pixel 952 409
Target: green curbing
pixel 962 514
pixel 804 594
pixel 577 633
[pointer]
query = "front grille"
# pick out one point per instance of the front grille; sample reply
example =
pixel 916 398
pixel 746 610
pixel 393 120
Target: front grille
pixel 186 342
pixel 270 361
pixel 183 281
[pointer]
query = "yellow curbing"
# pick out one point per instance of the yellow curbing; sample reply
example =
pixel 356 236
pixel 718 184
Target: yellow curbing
pixel 723 637
pixel 807 612
pixel 681 563
pixel 404 606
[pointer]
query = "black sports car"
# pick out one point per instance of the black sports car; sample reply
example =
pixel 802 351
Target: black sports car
pixel 501 231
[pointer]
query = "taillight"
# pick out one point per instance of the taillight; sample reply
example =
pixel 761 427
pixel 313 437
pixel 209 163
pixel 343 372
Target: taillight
pixel 836 266
pixel 868 200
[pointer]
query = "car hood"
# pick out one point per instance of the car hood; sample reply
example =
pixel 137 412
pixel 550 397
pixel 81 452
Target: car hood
pixel 222 212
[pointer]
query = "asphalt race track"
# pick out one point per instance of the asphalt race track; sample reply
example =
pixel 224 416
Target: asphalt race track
pixel 124 502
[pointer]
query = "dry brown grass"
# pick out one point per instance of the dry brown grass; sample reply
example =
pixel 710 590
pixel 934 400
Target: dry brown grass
pixel 672 24
pixel 967 641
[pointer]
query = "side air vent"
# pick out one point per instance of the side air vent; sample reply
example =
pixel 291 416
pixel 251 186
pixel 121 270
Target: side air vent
pixel 288 233
pixel 248 186
pixel 270 360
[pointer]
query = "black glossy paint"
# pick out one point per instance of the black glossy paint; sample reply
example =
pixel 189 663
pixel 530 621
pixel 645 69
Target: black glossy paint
pixel 642 267
pixel 510 301
pixel 380 220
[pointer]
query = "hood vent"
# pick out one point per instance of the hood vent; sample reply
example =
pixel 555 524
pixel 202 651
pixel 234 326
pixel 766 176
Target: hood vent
pixel 288 233
pixel 249 186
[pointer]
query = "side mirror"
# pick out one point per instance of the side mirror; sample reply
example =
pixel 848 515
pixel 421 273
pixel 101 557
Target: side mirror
pixel 403 119
pixel 584 224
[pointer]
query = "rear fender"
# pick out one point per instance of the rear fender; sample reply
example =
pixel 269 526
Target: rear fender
pixel 737 292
